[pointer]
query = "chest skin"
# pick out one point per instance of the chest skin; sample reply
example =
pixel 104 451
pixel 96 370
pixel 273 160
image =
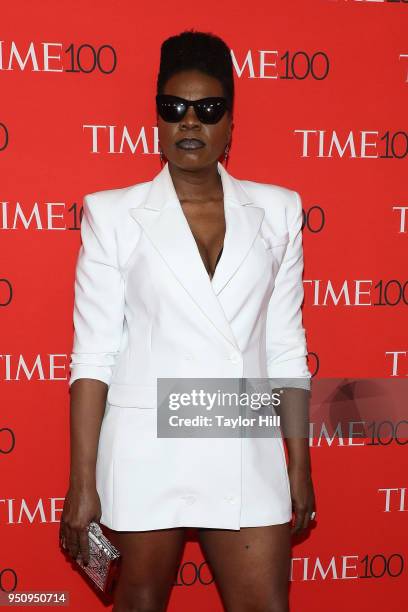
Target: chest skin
pixel 207 224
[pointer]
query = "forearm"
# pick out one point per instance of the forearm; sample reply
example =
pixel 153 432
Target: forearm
pixel 294 420
pixel 87 407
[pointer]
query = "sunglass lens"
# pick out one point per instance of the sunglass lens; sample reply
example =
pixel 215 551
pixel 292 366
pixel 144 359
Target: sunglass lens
pixel 171 110
pixel 211 111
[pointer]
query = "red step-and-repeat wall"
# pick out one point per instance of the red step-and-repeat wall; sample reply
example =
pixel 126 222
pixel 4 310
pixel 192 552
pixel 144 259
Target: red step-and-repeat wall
pixel 321 107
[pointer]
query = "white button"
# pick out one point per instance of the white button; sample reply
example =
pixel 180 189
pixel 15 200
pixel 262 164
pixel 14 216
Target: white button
pixel 231 500
pixel 188 356
pixel 189 499
pixel 234 357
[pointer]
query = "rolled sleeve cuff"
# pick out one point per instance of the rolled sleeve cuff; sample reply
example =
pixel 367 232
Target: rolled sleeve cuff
pixel 290 373
pixel 87 365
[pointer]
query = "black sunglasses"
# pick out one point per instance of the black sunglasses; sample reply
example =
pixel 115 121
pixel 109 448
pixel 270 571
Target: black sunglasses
pixel 208 110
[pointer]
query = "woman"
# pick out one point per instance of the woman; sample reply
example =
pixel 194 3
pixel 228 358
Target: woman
pixel 194 274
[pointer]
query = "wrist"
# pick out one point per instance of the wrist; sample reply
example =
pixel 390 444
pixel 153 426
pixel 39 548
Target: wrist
pixel 85 479
pixel 302 467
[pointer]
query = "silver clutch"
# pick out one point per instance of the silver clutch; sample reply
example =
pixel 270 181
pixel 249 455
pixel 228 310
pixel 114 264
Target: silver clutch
pixel 104 559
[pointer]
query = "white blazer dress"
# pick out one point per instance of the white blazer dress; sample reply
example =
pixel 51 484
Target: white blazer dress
pixel 145 307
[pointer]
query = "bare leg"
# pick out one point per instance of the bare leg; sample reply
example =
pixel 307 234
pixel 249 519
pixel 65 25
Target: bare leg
pixel 150 561
pixel 251 567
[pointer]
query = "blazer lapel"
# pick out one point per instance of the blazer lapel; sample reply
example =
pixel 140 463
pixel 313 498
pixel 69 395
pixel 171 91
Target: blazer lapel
pixel 242 225
pixel 163 221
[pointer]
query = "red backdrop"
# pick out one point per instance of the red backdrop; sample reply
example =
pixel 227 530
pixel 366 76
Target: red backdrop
pixel 321 99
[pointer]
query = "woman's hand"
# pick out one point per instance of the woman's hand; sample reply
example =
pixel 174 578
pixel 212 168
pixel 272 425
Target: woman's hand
pixel 82 505
pixel 303 497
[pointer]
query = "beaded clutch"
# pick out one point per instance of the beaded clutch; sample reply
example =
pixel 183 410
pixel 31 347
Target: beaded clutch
pixel 104 559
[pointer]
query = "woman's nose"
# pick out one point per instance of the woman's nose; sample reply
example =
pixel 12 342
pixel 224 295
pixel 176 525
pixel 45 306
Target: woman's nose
pixel 190 118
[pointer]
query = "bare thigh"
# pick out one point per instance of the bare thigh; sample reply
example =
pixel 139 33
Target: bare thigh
pixel 150 561
pixel 251 567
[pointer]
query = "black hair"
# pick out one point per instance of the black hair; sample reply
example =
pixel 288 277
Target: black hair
pixel 192 50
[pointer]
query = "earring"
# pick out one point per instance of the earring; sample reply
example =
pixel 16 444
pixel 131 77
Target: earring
pixel 161 156
pixel 226 152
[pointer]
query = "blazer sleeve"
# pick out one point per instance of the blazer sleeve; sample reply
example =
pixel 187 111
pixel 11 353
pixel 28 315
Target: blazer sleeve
pixel 99 297
pixel 285 335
